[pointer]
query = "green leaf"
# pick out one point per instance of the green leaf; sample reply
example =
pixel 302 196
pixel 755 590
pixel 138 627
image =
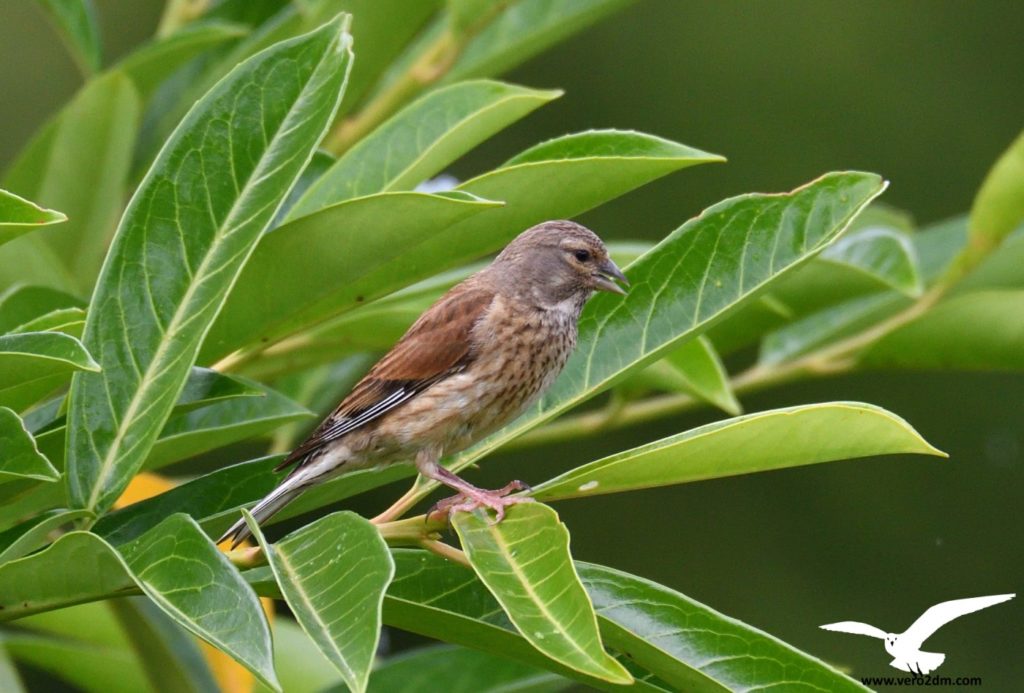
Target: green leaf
pixel 154 62
pixel 421 140
pixel 205 386
pixel 333 574
pixel 693 369
pixel 524 561
pixel 91 139
pixel 884 254
pixel 197 430
pixel 774 439
pixel 981 330
pixel 182 242
pixel 826 326
pixel 180 569
pixel 41 582
pixel 333 261
pixel 462 671
pixel 440 599
pixel 998 207
pixel 22 304
pixel 701 272
pixel 19 456
pixel 18 216
pixel 171 658
pixel 174 564
pixel 33 534
pixel 525 29
pixel 213 500
pixel 32 364
pixel 694 648
pixel 76 20
pixel 67 320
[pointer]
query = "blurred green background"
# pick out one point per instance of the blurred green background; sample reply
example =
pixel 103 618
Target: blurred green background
pixel 921 92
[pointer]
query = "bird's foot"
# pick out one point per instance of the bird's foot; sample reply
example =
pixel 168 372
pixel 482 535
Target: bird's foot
pixel 472 498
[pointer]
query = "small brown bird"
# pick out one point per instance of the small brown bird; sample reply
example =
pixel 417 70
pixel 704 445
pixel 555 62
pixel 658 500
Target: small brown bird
pixel 469 365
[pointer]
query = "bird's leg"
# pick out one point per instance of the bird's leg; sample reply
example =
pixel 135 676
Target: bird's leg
pixel 469 497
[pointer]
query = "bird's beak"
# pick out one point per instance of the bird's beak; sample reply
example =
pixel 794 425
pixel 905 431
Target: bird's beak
pixel 606 277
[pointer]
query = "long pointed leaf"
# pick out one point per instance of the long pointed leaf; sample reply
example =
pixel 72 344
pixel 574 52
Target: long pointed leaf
pixel 524 561
pixel 32 364
pixel 35 533
pixel 442 600
pixel 174 564
pixel 19 216
pixel 333 574
pixel 19 456
pixel 182 242
pixel 694 648
pixel 421 140
pixel 884 254
pixel 775 439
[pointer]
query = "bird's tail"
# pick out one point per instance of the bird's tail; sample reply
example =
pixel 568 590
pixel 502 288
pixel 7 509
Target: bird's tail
pixel 274 501
pixel 928 662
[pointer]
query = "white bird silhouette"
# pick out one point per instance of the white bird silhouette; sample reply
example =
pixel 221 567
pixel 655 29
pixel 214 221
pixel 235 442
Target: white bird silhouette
pixel 905 647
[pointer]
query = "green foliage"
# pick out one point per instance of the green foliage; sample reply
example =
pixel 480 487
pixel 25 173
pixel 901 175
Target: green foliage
pixel 333 574
pixel 524 561
pixel 272 241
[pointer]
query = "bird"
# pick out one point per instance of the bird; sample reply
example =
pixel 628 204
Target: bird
pixel 473 362
pixel 905 647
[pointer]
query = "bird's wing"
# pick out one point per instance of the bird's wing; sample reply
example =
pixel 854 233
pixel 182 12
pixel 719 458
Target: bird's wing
pixel 855 627
pixel 438 344
pixel 941 614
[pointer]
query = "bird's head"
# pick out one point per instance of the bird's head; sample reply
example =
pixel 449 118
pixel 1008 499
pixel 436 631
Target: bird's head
pixel 559 261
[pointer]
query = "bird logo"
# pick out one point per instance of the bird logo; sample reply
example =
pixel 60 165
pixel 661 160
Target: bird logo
pixel 905 647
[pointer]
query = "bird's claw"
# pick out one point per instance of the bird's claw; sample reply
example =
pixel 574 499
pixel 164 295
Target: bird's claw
pixel 497 500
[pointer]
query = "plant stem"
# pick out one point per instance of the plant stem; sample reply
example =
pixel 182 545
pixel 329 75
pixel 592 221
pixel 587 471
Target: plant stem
pixel 399 507
pixel 411 530
pixel 446 551
pixel 421 531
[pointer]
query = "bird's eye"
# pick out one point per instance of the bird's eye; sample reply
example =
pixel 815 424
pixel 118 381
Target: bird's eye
pixel 582 255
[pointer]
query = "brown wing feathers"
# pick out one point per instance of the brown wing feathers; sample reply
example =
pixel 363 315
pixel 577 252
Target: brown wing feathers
pixel 436 346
